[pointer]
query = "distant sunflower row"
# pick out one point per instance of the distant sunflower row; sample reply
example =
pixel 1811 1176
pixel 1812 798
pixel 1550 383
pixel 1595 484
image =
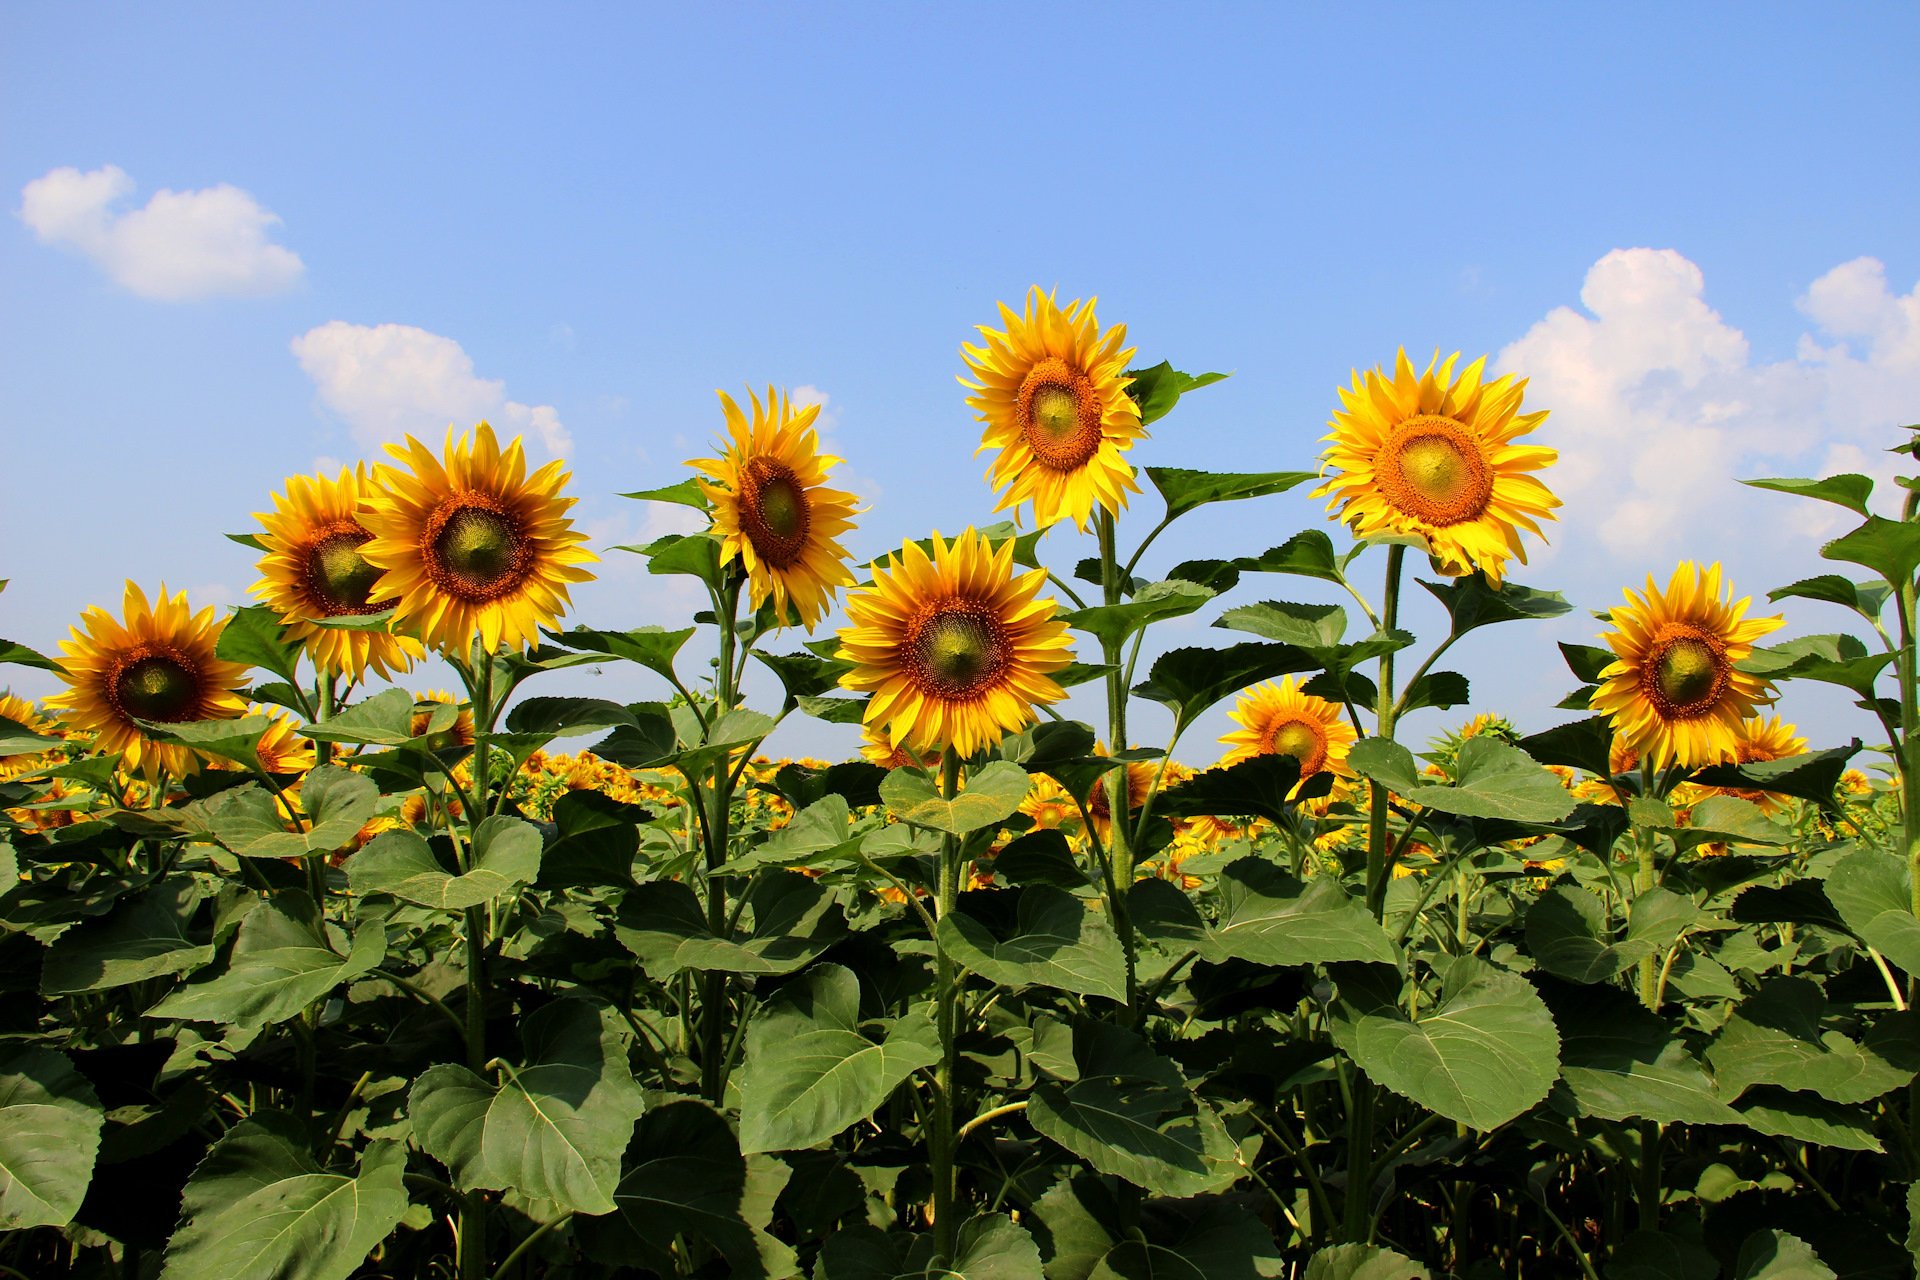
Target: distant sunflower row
pixel 954 648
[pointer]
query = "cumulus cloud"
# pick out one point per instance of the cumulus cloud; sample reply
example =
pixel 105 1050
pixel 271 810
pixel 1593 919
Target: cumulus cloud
pixel 388 380
pixel 180 245
pixel 1658 405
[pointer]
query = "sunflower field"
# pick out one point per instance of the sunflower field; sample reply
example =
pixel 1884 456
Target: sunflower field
pixel 309 976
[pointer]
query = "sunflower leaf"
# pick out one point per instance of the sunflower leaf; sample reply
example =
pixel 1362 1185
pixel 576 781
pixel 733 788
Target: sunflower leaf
pixel 21 656
pixel 384 720
pixel 1112 624
pixel 1156 390
pixel 652 647
pixel 1056 942
pixel 1260 786
pixel 1188 681
pixel 1865 598
pixel 1849 490
pixel 694 554
pixel 1184 490
pixel 803 675
pixel 278 967
pixel 1309 626
pixel 1435 689
pixel 1471 602
pixel 1830 659
pixel 17 740
pixel 1307 554
pixel 1890 548
pixel 50 1122
pixel 230 739
pixel 1582 744
pixel 1586 661
pixel 1810 776
pixel 992 793
pixel 256 637
pixel 505 856
pixel 687 493
pixel 1492 779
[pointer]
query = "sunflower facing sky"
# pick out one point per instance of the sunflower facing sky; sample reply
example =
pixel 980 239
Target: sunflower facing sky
pixel 1674 691
pixel 471 545
pixel 1052 389
pixel 772 510
pixel 1278 719
pixel 313 569
pixel 1433 456
pixel 954 648
pixel 155 663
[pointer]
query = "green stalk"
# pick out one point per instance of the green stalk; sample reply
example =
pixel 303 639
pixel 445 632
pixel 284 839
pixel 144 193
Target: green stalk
pixel 941 1141
pixel 1377 870
pixel 1644 880
pixel 719 801
pixel 473 1209
pixel 1120 841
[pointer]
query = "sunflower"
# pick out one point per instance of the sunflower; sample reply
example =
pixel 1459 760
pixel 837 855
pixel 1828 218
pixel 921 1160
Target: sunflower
pixel 1759 739
pixel 954 648
pixel 1281 720
pixel 1052 390
pixel 470 544
pixel 28 717
pixel 772 510
pixel 1100 798
pixel 1050 806
pixel 313 569
pixel 456 736
pixel 156 663
pixel 1432 456
pixel 879 748
pixel 280 749
pixel 1675 691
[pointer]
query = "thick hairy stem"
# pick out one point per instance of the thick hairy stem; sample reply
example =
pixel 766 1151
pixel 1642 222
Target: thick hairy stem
pixel 1120 841
pixel 714 987
pixel 1378 873
pixel 941 1139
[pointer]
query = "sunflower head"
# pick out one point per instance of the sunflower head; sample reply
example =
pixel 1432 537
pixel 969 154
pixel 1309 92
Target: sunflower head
pixel 314 569
pixel 156 662
pixel 772 510
pixel 954 648
pixel 1674 690
pixel 1758 739
pixel 1052 389
pixel 1278 719
pixel 1432 456
pixel 28 717
pixel 470 545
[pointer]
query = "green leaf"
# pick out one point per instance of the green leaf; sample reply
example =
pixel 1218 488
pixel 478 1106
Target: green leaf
pixel 683 1175
pixel 1849 490
pixel 552 1129
pixel 1112 624
pixel 810 1071
pixel 1156 390
pixel 229 739
pixel 1583 744
pixel 1471 602
pixel 1621 1062
pixel 1185 490
pixel 21 656
pixel 338 801
pixel 792 920
pixel 725 735
pixel 1772 1254
pixel 1804 1117
pixel 259 1206
pixel 279 966
pixel 384 720
pixel 1435 689
pixel 1891 548
pixel 649 742
pixel 1307 554
pixel 1569 934
pixel 147 936
pixel 504 857
pixel 1661 1255
pixel 1492 779
pixel 652 647
pixel 1830 659
pixel 992 793
pixel 1132 1114
pixel 1484 1054
pixel 1363 1262
pixel 16 739
pixel 1057 942
pixel 1188 681
pixel 987 1247
pixel 1811 776
pixel 1269 917
pixel 50 1121
pixel 803 675
pixel 255 636
pixel 595 842
pixel 686 493
pixel 840 710
pixel 1775 1037
pixel 1088 1237
pixel 1865 598
pixel 1873 893
pixel 1587 661
pixel 567 717
pixel 1309 626
pixel 1266 786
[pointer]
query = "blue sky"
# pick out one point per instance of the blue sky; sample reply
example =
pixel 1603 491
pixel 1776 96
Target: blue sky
pixel 1692 226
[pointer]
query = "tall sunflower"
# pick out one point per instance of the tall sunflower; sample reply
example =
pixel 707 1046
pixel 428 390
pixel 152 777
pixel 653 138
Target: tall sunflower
pixel 1674 690
pixel 1433 456
pixel 772 510
pixel 155 663
pixel 314 569
pixel 471 545
pixel 1052 389
pixel 1278 719
pixel 954 648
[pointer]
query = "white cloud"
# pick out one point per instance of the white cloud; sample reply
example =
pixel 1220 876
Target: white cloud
pixel 386 381
pixel 1658 407
pixel 178 246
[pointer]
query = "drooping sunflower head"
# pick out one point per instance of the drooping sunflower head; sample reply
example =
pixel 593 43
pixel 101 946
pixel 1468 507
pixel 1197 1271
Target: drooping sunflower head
pixel 1433 456
pixel 314 569
pixel 1279 719
pixel 1052 389
pixel 470 545
pixel 955 649
pixel 772 510
pixel 156 662
pixel 1674 690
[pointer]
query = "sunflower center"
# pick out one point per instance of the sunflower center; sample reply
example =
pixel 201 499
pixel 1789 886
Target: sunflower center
pixel 1434 469
pixel 479 552
pixel 340 578
pixel 775 514
pixel 1690 671
pixel 958 652
pixel 1059 415
pixel 1300 740
pixel 157 686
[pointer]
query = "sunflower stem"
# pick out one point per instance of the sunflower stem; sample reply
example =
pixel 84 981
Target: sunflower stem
pixel 1647 876
pixel 719 802
pixel 1119 840
pixel 1384 708
pixel 941 1139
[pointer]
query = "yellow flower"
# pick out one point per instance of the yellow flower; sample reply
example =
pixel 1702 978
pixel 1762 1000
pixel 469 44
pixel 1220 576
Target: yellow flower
pixel 1281 720
pixel 1050 806
pixel 1760 739
pixel 1100 800
pixel 1433 456
pixel 878 746
pixel 1675 692
pixel 456 736
pixel 28 717
pixel 155 663
pixel 313 569
pixel 281 749
pixel 772 510
pixel 470 544
pixel 954 648
pixel 1052 389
